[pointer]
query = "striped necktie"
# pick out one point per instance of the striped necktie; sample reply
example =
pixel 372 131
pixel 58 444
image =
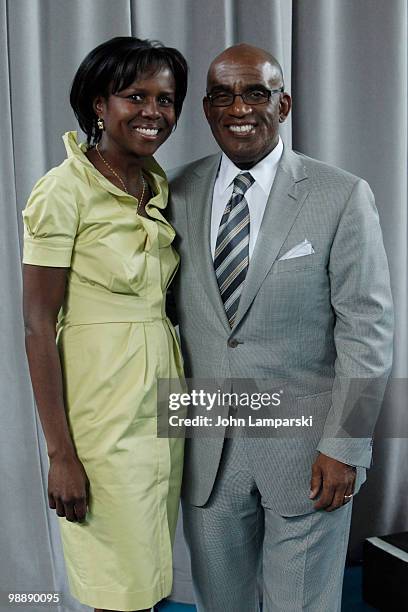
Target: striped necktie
pixel 232 248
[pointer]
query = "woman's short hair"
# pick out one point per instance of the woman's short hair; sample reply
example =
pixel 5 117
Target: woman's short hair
pixel 116 64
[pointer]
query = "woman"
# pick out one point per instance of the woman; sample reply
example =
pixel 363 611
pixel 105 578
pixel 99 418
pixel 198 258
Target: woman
pixel 98 259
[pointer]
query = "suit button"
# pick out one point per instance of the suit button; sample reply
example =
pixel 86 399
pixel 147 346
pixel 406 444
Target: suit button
pixel 233 343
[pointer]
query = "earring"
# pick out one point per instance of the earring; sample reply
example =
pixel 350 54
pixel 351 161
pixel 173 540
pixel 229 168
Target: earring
pixel 100 123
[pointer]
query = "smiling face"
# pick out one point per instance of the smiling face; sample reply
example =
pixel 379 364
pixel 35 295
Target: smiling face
pixel 141 117
pixel 246 133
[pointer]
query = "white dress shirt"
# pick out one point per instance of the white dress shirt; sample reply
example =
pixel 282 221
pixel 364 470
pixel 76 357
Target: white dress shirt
pixel 257 195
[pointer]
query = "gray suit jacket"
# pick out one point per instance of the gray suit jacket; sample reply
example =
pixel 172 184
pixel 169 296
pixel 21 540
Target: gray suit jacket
pixel 318 320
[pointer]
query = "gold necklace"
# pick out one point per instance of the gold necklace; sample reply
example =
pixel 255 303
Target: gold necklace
pixel 140 202
pixel 111 169
pixel 121 180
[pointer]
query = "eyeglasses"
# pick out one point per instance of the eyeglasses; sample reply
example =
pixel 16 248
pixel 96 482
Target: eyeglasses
pixel 252 97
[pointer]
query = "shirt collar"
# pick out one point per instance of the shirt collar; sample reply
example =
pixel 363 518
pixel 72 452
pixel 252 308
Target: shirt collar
pixel 155 172
pixel 263 172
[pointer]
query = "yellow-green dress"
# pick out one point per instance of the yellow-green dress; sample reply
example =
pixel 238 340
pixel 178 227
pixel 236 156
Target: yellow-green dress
pixel 115 341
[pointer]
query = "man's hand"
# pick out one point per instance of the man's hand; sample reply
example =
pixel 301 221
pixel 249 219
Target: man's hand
pixel 333 481
pixel 68 488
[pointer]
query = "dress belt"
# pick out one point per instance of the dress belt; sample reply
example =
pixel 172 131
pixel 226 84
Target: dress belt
pixel 94 304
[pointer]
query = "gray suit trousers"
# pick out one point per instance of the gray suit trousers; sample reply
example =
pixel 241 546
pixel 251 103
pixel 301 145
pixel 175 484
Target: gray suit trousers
pixel 235 532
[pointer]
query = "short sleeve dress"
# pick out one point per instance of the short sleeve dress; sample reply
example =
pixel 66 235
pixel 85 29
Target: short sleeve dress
pixel 115 341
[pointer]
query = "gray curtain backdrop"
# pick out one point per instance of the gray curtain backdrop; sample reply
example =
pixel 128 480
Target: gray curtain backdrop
pixel 345 63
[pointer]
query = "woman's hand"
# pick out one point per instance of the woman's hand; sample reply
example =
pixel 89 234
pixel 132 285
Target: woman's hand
pixel 68 488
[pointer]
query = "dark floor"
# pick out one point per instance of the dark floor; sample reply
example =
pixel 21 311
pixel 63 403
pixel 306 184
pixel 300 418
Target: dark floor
pixel 352 600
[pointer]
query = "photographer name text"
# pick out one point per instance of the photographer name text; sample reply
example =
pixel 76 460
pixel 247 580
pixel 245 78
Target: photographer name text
pixel 232 421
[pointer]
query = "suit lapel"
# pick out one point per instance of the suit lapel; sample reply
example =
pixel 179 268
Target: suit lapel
pixel 199 195
pixel 288 193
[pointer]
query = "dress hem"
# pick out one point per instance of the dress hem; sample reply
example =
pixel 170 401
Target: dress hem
pixel 114 600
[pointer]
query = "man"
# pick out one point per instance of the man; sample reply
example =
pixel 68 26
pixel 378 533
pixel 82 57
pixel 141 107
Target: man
pixel 283 275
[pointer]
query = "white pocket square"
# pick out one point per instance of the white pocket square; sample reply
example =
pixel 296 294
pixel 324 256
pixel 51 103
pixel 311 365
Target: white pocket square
pixel 300 250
